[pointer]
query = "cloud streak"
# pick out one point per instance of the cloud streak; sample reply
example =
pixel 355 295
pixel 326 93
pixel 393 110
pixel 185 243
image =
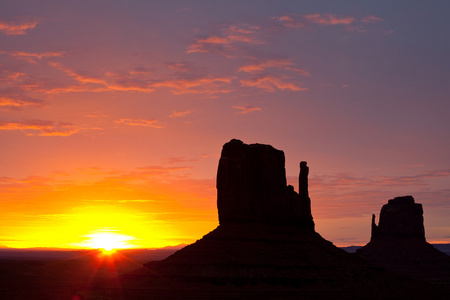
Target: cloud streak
pixel 346 195
pixel 303 21
pixel 245 41
pixel 32 57
pixel 246 109
pixel 283 64
pixel 232 41
pixel 202 85
pixel 271 83
pixel 19 103
pixel 41 128
pixel 177 114
pixel 141 82
pixel 329 19
pixel 140 122
pixel 371 19
pixel 179 66
pixel 17 27
pixel 227 40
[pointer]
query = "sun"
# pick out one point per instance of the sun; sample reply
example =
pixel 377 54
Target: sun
pixel 108 241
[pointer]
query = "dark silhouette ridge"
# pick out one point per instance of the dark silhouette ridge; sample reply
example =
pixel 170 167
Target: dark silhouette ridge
pixel 251 188
pixel 402 218
pixel 265 242
pixel 398 242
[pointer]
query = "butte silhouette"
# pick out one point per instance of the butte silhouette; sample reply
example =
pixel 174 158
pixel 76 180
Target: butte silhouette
pixel 265 245
pixel 266 231
pixel 398 242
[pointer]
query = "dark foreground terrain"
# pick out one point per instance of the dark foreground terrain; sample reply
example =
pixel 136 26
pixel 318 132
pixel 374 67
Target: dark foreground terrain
pixel 56 275
pixel 50 274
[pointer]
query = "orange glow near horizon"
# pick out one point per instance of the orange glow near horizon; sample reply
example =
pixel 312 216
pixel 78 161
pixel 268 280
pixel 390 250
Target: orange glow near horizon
pixel 109 227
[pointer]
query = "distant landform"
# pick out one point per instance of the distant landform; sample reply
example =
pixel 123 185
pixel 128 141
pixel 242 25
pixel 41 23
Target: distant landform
pixel 445 248
pixel 141 255
pixel 144 255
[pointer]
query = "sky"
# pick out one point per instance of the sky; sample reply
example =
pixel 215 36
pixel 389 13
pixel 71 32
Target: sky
pixel 113 113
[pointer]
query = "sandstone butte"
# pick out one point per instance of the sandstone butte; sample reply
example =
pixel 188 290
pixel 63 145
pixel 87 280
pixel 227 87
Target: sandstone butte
pixel 398 242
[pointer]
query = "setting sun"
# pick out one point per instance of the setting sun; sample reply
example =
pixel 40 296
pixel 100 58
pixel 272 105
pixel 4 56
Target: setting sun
pixel 108 241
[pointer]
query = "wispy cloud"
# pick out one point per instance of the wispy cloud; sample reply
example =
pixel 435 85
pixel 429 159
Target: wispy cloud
pixel 179 159
pixel 419 179
pixel 237 40
pixel 271 83
pixel 142 82
pixel 202 85
pixel 283 64
pixel 371 19
pixel 303 21
pixel 32 57
pixel 180 113
pixel 329 19
pixel 13 89
pixel 290 21
pixel 350 181
pixel 19 103
pixel 14 185
pixel 41 127
pixel 140 122
pixel 179 66
pixel 245 109
pixel 347 195
pixel 295 21
pixel 225 41
pixel 131 82
pixel 17 27
pixel 9 76
pixel 245 41
pixel 78 77
pixel 15 83
pixel 178 83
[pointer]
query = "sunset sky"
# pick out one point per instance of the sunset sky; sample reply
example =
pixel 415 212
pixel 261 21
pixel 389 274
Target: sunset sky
pixel 113 113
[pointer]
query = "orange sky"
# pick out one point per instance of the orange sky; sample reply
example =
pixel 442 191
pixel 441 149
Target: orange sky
pixel 113 113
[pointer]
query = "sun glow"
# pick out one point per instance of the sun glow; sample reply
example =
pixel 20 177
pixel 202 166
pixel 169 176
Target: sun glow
pixel 104 226
pixel 108 241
